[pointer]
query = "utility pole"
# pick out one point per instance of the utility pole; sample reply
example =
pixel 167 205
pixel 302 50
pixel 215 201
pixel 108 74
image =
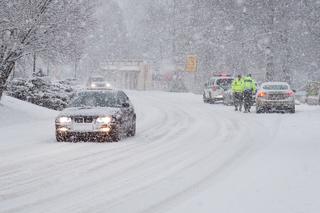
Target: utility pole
pixel 174 48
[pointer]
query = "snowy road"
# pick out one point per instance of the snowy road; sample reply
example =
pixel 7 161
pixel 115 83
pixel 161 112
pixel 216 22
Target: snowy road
pixel 186 157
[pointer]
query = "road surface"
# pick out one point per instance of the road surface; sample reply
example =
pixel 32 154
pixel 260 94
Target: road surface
pixel 187 156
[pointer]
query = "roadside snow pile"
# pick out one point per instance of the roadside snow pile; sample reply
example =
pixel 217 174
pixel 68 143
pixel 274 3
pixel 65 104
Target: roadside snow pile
pixel 313 100
pixel 42 92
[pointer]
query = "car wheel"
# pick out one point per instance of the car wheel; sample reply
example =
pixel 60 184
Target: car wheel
pixel 211 101
pixel 205 100
pixel 115 137
pixel 259 110
pixel 132 131
pixel 115 134
pixel 60 137
pixel 292 110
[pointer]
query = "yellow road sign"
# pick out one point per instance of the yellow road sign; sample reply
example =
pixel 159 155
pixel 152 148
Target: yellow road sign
pixel 192 63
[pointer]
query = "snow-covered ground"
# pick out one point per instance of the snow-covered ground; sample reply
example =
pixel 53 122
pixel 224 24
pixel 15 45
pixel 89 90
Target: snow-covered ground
pixel 186 157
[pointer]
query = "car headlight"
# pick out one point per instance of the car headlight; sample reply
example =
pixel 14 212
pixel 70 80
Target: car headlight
pixel 93 85
pixel 64 120
pixel 104 119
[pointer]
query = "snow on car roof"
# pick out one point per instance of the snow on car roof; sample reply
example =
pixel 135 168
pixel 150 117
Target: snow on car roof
pixel 99 91
pixel 221 77
pixel 275 83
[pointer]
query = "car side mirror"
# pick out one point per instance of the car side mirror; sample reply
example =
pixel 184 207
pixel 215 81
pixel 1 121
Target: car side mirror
pixel 125 105
pixel 294 90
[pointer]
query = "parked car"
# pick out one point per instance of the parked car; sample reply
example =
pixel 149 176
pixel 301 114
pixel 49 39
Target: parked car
pixel 97 115
pixel 98 82
pixel 216 86
pixel 275 96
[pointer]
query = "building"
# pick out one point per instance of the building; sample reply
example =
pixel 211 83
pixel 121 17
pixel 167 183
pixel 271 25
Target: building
pixel 128 74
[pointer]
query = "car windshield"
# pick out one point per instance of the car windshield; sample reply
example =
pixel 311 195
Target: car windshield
pixel 97 99
pixel 275 87
pixel 224 83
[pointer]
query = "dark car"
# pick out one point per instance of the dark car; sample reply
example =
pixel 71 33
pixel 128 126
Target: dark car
pixel 97 115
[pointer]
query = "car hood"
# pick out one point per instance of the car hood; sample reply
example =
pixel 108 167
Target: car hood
pixel 86 111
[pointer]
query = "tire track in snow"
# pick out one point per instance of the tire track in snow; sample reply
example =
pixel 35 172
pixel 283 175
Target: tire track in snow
pixel 118 176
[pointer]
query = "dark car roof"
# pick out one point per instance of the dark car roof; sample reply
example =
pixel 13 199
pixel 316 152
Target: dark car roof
pixel 88 92
pixel 103 91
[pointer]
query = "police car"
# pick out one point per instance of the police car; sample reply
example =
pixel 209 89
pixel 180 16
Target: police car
pixel 215 88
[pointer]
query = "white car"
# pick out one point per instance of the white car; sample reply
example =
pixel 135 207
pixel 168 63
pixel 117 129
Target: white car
pixel 275 96
pixel 98 82
pixel 216 86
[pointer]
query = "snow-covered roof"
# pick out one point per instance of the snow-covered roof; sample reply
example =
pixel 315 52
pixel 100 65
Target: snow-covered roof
pixel 122 68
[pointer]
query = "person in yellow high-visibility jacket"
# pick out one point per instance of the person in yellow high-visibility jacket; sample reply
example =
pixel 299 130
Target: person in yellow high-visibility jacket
pixel 249 89
pixel 237 90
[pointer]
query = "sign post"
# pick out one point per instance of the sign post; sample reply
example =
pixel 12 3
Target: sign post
pixel 192 63
pixel 192 67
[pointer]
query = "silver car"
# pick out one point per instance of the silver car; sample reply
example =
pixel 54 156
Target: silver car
pixel 275 96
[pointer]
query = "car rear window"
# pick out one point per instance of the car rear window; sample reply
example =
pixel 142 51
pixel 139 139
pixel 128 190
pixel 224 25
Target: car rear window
pixel 97 79
pixel 276 87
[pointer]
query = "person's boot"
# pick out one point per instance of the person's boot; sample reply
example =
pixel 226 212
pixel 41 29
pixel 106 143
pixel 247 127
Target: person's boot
pixel 236 109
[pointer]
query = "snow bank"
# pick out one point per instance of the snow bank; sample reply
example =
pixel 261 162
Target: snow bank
pixel 41 91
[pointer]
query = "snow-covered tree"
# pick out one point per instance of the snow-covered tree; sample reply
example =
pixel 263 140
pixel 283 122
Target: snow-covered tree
pixel 109 39
pixel 274 40
pixel 45 27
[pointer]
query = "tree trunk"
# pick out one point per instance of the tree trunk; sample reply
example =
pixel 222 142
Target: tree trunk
pixel 5 71
pixel 286 75
pixel 270 65
pixel 270 48
pixel 75 68
pixel 34 64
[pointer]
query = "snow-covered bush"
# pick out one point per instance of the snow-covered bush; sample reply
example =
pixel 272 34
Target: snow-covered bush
pixel 42 92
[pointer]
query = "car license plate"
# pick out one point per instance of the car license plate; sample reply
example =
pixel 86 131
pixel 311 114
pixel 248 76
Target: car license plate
pixel 82 127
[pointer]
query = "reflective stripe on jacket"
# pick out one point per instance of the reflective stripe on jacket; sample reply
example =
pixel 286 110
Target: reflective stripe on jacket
pixel 237 85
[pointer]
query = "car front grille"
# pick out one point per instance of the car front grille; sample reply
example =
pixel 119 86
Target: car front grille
pixel 100 84
pixel 83 119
